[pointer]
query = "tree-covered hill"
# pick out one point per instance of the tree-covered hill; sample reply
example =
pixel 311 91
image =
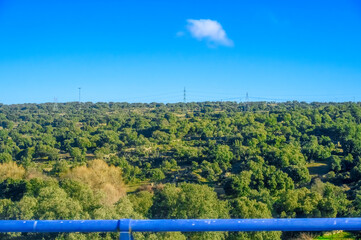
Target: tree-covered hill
pixel 194 160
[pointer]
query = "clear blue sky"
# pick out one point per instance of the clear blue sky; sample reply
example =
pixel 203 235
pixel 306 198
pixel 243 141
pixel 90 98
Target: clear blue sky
pixel 144 51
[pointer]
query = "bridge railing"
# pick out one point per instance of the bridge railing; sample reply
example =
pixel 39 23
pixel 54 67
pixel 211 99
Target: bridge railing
pixel 127 226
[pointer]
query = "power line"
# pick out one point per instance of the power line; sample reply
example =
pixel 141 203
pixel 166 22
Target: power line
pixel 271 99
pixel 174 95
pixel 184 95
pixel 246 100
pixel 55 106
pixel 79 94
pixel 201 95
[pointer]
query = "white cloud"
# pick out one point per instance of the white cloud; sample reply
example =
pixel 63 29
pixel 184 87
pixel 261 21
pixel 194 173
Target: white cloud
pixel 209 30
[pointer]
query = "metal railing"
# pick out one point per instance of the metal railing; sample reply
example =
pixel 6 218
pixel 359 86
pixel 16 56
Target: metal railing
pixel 127 226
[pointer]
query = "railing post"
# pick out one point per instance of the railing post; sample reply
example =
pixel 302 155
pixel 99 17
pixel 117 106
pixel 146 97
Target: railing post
pixel 125 229
pixel 125 236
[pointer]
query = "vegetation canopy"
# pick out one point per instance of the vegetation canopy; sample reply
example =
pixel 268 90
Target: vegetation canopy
pixel 194 160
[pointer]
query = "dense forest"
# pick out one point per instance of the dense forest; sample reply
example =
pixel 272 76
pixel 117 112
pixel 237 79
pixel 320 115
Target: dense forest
pixel 194 160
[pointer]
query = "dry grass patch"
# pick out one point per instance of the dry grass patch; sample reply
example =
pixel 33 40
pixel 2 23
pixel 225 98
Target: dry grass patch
pixel 103 179
pixel 11 170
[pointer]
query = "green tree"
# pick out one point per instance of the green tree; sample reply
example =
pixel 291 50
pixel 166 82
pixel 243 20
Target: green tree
pixel 142 202
pixel 5 157
pixel 223 156
pixel 77 154
pixel 238 186
pixel 189 201
pixel 54 203
pixel 335 163
pixel 246 208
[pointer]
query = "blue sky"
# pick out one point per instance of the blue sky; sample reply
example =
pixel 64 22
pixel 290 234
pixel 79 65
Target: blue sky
pixel 144 51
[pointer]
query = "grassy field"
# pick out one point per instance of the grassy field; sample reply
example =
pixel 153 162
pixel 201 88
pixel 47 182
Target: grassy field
pixel 337 235
pixel 318 168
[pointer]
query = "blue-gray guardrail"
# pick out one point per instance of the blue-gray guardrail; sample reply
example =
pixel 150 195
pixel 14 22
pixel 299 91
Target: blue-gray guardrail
pixel 127 226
